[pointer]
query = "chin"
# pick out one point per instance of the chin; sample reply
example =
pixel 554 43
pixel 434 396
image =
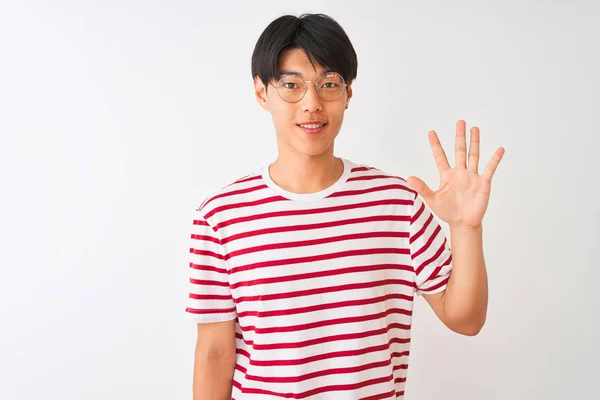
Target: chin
pixel 312 150
pixel 306 144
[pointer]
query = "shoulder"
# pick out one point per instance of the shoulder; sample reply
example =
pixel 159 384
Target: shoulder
pixel 232 192
pixel 380 179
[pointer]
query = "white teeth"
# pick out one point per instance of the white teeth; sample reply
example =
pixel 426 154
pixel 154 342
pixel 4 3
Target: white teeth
pixel 311 126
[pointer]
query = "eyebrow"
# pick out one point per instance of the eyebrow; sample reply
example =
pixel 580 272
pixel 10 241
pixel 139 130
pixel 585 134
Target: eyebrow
pixel 296 73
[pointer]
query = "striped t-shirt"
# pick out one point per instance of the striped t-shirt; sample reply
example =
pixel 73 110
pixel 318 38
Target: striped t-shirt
pixel 321 285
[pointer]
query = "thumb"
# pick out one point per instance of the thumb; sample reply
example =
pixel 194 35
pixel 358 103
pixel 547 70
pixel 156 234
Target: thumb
pixel 421 188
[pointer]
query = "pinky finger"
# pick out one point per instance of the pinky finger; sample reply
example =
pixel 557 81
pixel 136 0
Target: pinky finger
pixel 490 169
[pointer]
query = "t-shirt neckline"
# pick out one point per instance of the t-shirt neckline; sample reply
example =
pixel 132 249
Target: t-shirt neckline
pixel 307 197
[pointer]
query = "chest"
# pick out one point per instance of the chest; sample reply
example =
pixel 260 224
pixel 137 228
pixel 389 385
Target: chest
pixel 325 259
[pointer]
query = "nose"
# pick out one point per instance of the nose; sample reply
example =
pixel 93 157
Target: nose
pixel 311 101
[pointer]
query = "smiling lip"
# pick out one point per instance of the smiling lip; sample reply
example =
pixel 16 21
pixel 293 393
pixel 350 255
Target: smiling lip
pixel 313 131
pixel 313 122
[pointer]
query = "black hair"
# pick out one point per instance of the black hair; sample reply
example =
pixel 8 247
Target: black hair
pixel 320 36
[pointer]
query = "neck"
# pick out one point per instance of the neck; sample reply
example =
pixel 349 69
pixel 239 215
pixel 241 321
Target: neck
pixel 306 174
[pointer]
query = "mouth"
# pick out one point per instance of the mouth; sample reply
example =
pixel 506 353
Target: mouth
pixel 312 128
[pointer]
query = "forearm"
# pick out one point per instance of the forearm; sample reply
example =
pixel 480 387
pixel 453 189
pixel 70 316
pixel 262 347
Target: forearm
pixel 213 378
pixel 466 295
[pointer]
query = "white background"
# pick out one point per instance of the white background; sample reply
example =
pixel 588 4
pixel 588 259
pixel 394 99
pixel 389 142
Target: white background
pixel 118 117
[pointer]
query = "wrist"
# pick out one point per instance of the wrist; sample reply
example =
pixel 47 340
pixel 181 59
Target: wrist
pixel 466 228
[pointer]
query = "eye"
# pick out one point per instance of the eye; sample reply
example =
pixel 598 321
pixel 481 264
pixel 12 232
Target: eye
pixel 286 85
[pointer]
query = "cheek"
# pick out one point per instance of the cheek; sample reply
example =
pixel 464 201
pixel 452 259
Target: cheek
pixel 336 114
pixel 282 115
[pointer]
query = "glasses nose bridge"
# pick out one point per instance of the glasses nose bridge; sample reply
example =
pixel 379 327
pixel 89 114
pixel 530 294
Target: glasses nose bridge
pixel 311 83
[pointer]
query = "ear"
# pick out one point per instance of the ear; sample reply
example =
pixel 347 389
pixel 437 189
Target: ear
pixel 348 94
pixel 260 91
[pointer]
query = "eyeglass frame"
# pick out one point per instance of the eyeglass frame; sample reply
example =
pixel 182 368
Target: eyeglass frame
pixel 314 82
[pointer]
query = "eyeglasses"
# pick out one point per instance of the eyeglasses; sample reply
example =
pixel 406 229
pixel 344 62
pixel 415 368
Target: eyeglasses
pixel 292 88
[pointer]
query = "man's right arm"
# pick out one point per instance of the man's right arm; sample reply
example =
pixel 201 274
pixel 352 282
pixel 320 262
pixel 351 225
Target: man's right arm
pixel 214 361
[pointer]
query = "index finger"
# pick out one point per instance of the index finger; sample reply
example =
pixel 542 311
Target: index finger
pixel 438 152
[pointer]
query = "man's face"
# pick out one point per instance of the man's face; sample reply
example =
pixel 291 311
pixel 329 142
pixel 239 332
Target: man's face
pixel 287 117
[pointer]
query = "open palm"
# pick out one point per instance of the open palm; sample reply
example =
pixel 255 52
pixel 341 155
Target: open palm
pixel 463 195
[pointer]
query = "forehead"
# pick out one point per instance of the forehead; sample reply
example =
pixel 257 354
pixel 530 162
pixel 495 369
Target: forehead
pixel 295 62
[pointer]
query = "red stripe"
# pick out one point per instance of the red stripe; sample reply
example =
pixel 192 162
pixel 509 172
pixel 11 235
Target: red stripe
pixel 418 214
pixel 315 242
pixel 316 374
pixel 432 237
pixel 234 192
pixel 200 222
pixel 208 282
pixel 433 258
pixel 202 204
pixel 243 352
pixel 363 168
pixel 435 272
pixel 326 339
pixel 322 210
pixel 241 368
pixel 327 306
pixel 319 274
pixel 245 179
pixel 210 296
pixel 320 257
pixel 323 389
pixel 356 192
pixel 380 396
pixel 210 310
pixel 372 177
pixel 321 290
pixel 320 324
pixel 233 206
pixel 418 234
pixel 206 253
pixel 208 268
pixel 320 225
pixel 205 238
pixel 436 286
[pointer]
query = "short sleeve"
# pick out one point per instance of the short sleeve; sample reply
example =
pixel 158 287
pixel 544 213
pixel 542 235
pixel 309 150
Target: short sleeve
pixel 430 250
pixel 210 297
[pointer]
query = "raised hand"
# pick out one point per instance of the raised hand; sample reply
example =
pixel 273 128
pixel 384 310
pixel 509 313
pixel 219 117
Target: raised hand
pixel 463 195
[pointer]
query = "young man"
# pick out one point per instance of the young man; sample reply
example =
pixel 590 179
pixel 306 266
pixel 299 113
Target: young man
pixel 303 274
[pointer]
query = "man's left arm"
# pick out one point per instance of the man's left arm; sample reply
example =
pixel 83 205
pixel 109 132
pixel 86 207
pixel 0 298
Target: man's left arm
pixel 461 201
pixel 462 307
